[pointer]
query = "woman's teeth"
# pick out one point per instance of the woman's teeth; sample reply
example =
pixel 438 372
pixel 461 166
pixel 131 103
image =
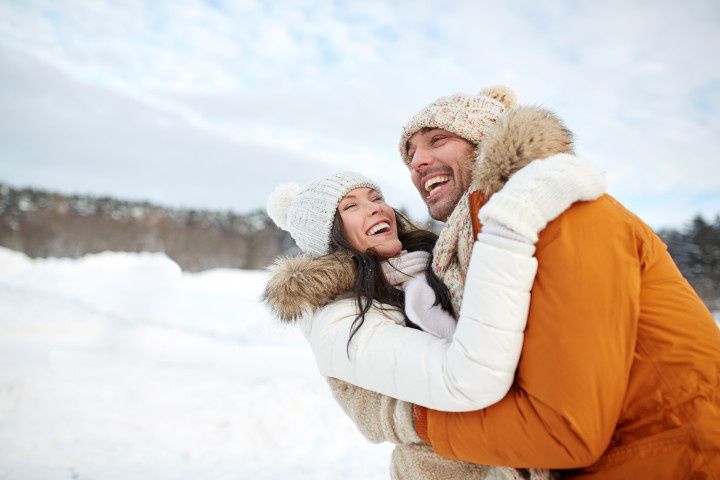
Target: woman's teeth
pixel 435 181
pixel 376 228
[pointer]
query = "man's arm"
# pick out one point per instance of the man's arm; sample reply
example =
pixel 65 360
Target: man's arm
pixel 575 364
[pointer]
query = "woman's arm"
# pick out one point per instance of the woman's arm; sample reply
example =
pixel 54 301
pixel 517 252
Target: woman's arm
pixel 471 372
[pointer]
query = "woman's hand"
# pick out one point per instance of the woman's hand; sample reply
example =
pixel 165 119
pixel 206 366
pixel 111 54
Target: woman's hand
pixel 421 309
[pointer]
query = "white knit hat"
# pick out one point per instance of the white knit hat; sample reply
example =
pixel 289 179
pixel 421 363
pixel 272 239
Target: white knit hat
pixel 468 116
pixel 308 212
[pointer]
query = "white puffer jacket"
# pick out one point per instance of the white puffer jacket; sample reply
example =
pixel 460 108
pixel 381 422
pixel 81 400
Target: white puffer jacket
pixel 474 370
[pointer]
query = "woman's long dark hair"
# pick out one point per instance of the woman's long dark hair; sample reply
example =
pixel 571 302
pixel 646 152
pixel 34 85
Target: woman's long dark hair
pixel 370 282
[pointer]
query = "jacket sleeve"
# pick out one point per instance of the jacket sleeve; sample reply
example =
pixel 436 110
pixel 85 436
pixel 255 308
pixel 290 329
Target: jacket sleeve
pixel 472 371
pixel 574 370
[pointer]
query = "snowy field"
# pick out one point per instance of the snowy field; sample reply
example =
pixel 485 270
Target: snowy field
pixel 119 366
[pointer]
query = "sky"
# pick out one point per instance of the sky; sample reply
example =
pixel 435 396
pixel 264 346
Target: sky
pixel 210 104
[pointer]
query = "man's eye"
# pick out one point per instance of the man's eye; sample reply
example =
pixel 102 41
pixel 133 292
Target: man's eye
pixel 436 139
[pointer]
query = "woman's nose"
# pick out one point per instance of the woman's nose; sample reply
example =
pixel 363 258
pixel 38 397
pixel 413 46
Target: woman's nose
pixel 372 208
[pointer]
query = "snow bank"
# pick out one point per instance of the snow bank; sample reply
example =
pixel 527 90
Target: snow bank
pixel 119 366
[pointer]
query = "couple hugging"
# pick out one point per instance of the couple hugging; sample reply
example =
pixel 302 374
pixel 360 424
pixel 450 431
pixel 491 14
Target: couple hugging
pixel 545 333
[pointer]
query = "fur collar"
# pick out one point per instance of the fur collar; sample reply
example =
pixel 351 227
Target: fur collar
pixel 300 283
pixel 520 136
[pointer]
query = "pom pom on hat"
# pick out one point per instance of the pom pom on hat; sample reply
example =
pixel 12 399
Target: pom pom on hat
pixel 502 94
pixel 279 202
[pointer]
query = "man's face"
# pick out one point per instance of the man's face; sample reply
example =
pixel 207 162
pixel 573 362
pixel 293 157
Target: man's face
pixel 440 168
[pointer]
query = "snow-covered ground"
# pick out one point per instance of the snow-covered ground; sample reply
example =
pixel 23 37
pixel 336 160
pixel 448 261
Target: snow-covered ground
pixel 119 366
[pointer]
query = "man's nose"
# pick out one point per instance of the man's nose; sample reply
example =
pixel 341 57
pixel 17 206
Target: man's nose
pixel 421 158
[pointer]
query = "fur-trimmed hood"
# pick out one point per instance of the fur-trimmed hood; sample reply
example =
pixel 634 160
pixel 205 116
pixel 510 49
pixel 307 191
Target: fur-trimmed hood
pixel 303 282
pixel 520 135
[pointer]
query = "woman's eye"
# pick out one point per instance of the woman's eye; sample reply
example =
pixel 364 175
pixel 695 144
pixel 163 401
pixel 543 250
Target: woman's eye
pixel 348 206
pixel 378 199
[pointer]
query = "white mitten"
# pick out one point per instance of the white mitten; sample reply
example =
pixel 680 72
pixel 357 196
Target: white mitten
pixel 538 193
pixel 419 299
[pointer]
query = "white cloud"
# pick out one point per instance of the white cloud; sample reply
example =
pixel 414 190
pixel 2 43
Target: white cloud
pixel 331 83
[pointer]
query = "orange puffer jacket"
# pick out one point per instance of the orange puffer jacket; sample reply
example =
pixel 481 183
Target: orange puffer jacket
pixel 620 371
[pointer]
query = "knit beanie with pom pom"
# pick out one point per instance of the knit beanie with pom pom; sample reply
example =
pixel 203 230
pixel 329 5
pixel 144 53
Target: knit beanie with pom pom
pixel 467 116
pixel 307 212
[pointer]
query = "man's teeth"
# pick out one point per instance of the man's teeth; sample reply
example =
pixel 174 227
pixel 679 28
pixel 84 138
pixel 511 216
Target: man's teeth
pixel 431 183
pixel 378 227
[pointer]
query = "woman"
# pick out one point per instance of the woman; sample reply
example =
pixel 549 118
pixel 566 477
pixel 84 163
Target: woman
pixel 362 246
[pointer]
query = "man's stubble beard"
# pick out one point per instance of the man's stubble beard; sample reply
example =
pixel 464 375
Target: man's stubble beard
pixel 440 211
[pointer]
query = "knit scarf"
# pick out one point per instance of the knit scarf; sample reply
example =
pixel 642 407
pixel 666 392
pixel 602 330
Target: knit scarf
pixel 405 266
pixel 452 251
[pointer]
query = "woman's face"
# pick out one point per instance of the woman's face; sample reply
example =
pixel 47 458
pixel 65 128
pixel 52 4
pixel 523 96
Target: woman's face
pixel 369 222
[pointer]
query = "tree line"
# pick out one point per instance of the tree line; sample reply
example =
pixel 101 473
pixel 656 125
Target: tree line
pixel 47 224
pixel 696 251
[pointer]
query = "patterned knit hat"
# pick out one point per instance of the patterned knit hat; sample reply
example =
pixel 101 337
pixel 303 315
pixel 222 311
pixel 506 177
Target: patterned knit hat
pixel 468 116
pixel 308 212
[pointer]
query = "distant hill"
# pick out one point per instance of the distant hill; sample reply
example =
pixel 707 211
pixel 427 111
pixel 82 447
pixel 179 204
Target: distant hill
pixel 46 224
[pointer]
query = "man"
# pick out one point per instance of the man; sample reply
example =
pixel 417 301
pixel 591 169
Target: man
pixel 620 370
